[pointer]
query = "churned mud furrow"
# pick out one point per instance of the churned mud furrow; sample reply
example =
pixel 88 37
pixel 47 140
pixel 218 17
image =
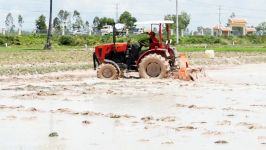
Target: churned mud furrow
pixel 224 111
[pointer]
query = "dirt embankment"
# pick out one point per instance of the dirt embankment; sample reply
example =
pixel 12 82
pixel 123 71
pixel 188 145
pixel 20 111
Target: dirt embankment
pixel 227 58
pixel 21 63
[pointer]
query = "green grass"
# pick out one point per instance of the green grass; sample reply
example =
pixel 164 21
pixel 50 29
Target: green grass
pixel 8 49
pixel 253 48
pixel 188 47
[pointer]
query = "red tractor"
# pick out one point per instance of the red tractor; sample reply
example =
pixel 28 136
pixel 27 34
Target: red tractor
pixel 159 61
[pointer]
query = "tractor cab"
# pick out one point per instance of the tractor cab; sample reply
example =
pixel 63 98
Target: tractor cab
pixel 157 43
pixel 159 27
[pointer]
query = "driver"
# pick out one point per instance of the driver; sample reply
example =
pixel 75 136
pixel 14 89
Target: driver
pixel 154 42
pixel 150 42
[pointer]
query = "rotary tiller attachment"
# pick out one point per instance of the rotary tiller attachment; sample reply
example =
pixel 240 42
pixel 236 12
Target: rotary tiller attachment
pixel 187 73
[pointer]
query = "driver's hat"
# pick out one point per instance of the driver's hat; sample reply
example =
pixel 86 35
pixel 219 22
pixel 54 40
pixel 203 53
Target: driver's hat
pixel 152 33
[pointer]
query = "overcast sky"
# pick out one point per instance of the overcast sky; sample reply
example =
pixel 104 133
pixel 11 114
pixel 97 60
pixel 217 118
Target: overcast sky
pixel 203 12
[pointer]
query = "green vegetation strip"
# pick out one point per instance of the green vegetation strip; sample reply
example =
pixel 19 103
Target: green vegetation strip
pixel 223 49
pixel 38 41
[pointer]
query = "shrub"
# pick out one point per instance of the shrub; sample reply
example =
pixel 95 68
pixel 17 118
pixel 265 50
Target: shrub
pixel 10 40
pixel 225 41
pixel 93 40
pixel 106 39
pixel 256 39
pixel 32 40
pixel 2 42
pixel 66 40
pixel 200 40
pixel 36 40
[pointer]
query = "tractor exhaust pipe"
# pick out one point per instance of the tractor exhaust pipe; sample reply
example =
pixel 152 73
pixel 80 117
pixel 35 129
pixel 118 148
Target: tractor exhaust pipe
pixel 95 61
pixel 114 34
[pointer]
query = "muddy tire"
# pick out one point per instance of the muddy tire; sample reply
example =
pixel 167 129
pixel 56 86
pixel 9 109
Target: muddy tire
pixel 154 66
pixel 107 71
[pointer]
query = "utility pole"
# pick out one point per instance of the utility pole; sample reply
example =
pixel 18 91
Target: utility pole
pixel 219 20
pixel 177 32
pixel 48 44
pixel 116 8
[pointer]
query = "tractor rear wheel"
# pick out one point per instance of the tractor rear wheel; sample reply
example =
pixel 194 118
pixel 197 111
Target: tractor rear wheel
pixel 107 71
pixel 154 66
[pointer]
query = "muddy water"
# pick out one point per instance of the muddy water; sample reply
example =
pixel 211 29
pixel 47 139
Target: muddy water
pixel 225 111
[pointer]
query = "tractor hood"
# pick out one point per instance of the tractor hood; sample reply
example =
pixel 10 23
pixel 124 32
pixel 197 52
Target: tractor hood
pixel 102 50
pixel 118 47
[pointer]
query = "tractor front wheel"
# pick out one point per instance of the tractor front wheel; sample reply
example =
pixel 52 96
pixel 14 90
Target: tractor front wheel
pixel 154 66
pixel 107 71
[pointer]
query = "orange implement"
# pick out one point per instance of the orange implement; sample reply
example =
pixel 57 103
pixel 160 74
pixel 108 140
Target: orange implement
pixel 185 72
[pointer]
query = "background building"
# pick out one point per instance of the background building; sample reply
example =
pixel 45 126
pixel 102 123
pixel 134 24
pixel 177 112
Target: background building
pixel 235 26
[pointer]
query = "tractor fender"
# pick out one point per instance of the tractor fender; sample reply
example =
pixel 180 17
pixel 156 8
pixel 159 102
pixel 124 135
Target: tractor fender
pixel 107 61
pixel 157 51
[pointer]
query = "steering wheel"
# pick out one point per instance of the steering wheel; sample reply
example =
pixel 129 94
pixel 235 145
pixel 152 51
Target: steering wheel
pixel 143 43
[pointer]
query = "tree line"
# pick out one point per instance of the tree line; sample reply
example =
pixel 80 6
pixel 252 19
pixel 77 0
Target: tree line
pixel 10 23
pixel 66 22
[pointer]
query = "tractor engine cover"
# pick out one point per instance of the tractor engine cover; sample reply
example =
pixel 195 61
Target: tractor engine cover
pixel 102 51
